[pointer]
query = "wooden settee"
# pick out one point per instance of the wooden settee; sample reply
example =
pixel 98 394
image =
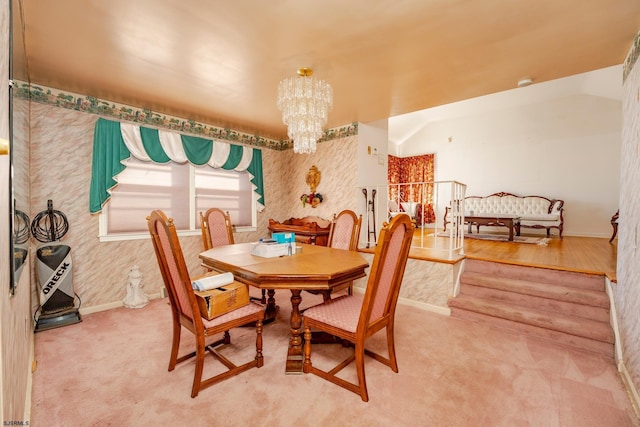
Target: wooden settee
pixel 310 229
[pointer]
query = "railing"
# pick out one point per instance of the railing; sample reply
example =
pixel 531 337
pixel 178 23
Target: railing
pixel 426 203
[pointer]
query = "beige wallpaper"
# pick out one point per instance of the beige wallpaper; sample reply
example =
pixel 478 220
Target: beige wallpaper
pixel 627 290
pixel 61 148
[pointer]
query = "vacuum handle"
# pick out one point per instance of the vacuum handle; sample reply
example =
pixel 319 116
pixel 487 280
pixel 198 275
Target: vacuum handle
pixel 52 221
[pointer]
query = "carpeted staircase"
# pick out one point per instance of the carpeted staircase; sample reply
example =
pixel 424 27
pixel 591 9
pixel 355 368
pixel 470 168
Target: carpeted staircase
pixel 564 307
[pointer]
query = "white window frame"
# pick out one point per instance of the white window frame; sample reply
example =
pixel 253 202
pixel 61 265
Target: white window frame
pixel 194 230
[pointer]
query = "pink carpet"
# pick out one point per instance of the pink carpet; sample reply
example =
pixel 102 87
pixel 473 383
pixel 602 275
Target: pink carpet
pixel 111 370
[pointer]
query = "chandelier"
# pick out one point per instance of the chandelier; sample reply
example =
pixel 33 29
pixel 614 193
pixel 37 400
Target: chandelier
pixel 305 103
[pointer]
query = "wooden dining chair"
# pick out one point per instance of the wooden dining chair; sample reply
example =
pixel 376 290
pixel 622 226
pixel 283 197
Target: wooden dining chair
pixel 354 318
pixel 216 228
pixel 344 233
pixel 186 313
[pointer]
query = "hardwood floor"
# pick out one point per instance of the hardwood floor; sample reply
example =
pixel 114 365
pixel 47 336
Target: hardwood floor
pixel 580 254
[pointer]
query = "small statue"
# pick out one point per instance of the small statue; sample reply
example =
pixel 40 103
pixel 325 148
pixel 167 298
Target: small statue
pixel 136 298
pixel 313 178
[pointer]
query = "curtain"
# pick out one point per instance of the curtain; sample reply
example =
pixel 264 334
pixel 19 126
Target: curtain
pixel 411 180
pixel 114 142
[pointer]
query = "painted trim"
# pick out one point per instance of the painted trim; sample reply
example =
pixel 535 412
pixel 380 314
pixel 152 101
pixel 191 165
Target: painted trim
pixel 113 110
pixel 613 320
pixel 111 305
pixel 32 356
pixel 622 367
pixel 633 392
pixel 445 311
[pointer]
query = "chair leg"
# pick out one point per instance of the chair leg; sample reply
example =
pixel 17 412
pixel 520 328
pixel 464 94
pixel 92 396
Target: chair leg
pixel 306 365
pixel 226 339
pixel 197 376
pixel 175 345
pixel 391 347
pixel 259 357
pixel 362 382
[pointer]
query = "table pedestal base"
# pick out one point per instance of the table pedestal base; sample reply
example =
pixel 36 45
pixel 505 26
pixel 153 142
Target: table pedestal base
pixel 294 354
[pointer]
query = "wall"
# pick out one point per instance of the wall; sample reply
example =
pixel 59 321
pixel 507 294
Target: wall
pixel 627 290
pixel 101 269
pixel 337 162
pixel 16 330
pixel 372 168
pixel 565 146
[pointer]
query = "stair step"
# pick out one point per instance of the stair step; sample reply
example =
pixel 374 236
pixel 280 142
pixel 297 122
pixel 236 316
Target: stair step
pixel 536 274
pixel 544 290
pixel 563 307
pixel 560 338
pixel 600 314
pixel 585 328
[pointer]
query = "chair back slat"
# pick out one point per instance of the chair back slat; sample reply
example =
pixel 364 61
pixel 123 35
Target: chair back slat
pixel 387 271
pixel 174 279
pixel 216 228
pixel 386 280
pixel 345 231
pixel 172 264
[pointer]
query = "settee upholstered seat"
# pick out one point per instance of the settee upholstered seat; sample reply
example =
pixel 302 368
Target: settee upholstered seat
pixel 534 211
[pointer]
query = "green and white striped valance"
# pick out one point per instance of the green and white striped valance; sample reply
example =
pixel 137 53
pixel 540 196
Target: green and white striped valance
pixel 114 142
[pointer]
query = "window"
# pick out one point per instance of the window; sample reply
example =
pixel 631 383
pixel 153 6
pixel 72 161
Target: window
pixel 182 191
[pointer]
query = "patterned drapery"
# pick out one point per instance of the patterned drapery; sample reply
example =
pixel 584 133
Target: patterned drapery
pixel 113 142
pixel 411 180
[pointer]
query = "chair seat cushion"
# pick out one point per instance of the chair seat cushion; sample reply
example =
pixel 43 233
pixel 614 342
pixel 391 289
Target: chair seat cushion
pixel 342 312
pixel 246 310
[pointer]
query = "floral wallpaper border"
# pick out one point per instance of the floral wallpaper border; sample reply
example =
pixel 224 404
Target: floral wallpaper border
pixel 632 58
pixel 93 105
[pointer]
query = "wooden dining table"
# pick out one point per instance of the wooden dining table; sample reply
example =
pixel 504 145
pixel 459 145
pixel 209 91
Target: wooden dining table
pixel 313 268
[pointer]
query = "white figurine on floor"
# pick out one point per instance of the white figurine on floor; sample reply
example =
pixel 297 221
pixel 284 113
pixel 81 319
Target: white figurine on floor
pixel 136 298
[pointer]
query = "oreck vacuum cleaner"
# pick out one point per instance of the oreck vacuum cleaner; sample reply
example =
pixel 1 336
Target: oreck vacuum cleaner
pixel 54 271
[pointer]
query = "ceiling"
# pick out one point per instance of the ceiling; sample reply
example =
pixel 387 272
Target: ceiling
pixel 219 62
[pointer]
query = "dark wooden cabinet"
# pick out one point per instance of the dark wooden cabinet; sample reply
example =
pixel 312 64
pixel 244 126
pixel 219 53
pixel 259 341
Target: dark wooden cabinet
pixel 310 229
